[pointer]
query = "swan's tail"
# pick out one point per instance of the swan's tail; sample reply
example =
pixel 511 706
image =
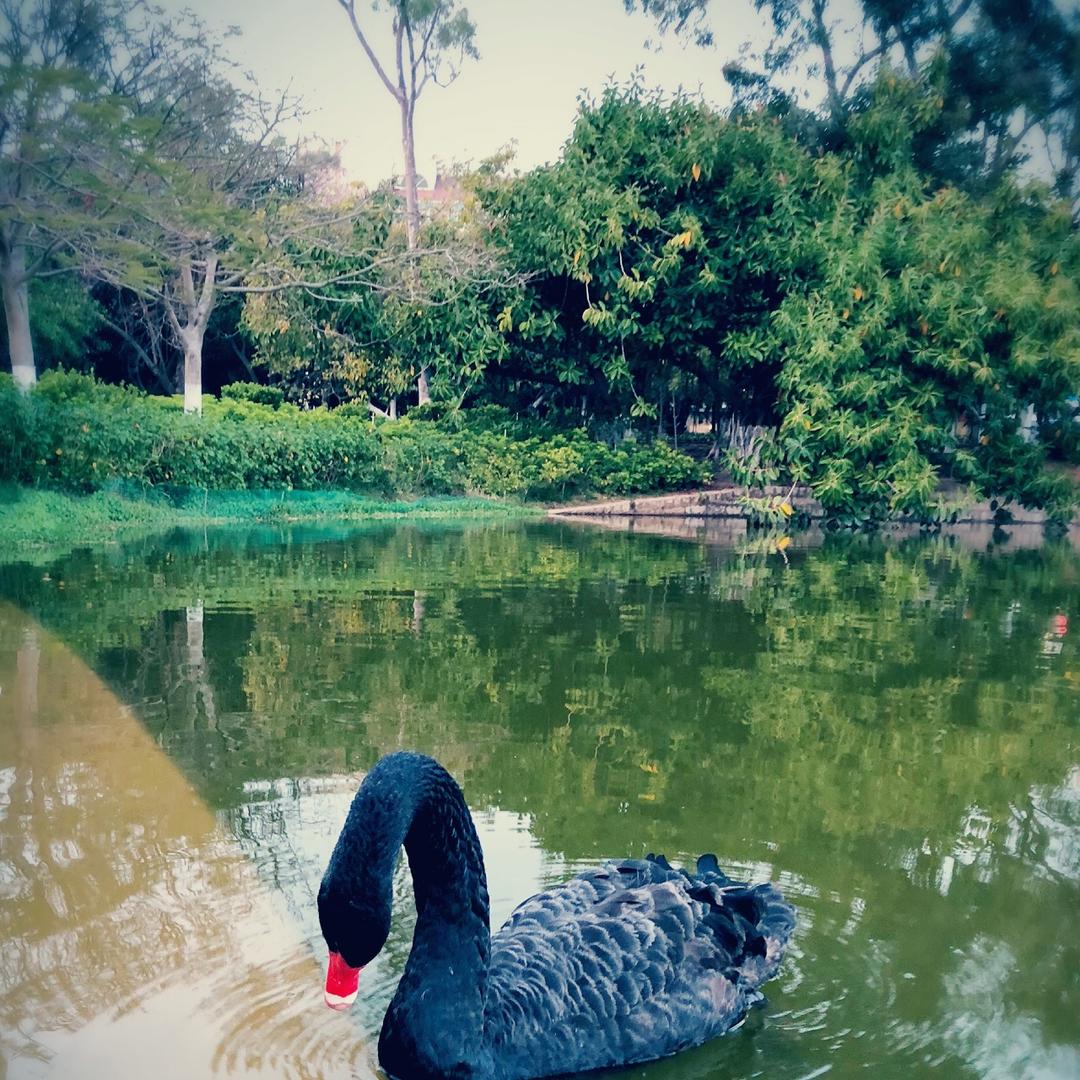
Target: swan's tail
pixel 752 922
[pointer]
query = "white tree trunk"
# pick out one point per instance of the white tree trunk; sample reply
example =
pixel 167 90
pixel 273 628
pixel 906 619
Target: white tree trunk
pixel 412 218
pixel 17 313
pixel 196 311
pixel 193 343
pixel 1029 424
pixel 412 200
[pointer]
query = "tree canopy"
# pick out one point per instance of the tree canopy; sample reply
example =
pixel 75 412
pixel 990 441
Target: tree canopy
pixel 876 292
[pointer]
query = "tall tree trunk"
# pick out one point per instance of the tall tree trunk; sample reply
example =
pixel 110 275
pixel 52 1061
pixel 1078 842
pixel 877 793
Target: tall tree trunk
pixel 17 312
pixel 412 202
pixel 412 219
pixel 192 338
pixel 909 54
pixel 190 334
pixel 820 36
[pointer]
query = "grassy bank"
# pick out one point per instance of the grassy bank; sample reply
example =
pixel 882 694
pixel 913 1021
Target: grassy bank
pixel 29 516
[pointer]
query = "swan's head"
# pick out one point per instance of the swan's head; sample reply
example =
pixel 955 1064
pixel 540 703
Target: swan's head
pixel 355 897
pixel 355 931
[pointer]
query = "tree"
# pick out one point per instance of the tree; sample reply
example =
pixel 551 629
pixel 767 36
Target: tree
pixel 1007 72
pixel 440 301
pixel 227 209
pixel 220 195
pixel 126 157
pixel 661 242
pixel 431 39
pixel 231 210
pixel 69 149
pixel 938 319
pixel 1012 96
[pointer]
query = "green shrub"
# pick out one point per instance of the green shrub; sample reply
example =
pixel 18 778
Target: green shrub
pixel 431 410
pixel 254 392
pixel 60 385
pixel 74 434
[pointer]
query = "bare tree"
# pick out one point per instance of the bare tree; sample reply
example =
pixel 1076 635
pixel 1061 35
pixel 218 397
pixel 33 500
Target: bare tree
pixel 141 324
pixel 431 38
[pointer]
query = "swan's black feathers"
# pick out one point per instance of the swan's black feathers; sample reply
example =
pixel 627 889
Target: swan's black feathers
pixel 623 964
pixel 627 963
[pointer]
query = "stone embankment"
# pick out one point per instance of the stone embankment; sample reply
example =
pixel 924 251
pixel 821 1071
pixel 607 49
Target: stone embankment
pixel 726 502
pixel 719 502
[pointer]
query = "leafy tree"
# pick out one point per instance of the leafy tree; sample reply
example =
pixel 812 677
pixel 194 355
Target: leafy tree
pixel 438 302
pixel 431 39
pixel 1012 93
pixel 329 346
pixel 1007 73
pixel 221 200
pixel 129 158
pixel 66 318
pixel 70 147
pixel 661 242
pixel 938 320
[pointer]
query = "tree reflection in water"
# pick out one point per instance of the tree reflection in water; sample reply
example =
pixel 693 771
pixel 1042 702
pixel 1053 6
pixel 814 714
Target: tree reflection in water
pixel 880 725
pixel 136 940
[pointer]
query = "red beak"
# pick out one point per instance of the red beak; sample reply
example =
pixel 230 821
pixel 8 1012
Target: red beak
pixel 341 983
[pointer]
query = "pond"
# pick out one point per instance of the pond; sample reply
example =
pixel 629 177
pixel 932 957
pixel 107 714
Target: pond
pixel 889 728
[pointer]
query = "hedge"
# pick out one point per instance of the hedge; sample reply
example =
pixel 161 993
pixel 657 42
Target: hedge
pixel 75 434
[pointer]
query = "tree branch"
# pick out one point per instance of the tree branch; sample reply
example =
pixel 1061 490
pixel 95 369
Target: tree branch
pixel 820 37
pixel 187 287
pixel 865 58
pixel 178 330
pixel 147 359
pixel 399 31
pixel 349 7
pixel 206 294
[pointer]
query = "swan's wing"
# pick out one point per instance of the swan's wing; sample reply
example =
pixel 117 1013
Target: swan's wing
pixel 641 972
pixel 584 891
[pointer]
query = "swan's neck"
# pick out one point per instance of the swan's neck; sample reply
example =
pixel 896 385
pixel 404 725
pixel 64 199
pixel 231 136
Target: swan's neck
pixel 435 1023
pixel 448 878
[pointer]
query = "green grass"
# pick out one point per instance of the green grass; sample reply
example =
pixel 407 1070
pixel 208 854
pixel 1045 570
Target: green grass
pixel 47 518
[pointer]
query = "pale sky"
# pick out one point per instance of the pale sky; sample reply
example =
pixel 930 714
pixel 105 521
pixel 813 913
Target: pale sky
pixel 535 57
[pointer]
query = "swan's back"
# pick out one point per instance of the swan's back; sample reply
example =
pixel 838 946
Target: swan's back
pixel 628 963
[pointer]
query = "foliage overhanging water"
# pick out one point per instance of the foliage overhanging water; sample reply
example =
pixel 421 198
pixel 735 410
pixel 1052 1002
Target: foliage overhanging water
pixel 891 730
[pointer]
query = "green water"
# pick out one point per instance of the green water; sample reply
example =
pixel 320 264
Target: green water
pixel 890 729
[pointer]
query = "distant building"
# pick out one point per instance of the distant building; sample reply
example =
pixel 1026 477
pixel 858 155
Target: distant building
pixel 446 193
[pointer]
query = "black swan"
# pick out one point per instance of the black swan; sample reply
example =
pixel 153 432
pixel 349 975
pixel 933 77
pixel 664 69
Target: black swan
pixel 621 965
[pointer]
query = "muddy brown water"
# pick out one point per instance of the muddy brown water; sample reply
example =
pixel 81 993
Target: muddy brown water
pixel 891 729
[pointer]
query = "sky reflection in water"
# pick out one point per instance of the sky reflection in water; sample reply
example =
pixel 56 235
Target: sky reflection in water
pixel 890 730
